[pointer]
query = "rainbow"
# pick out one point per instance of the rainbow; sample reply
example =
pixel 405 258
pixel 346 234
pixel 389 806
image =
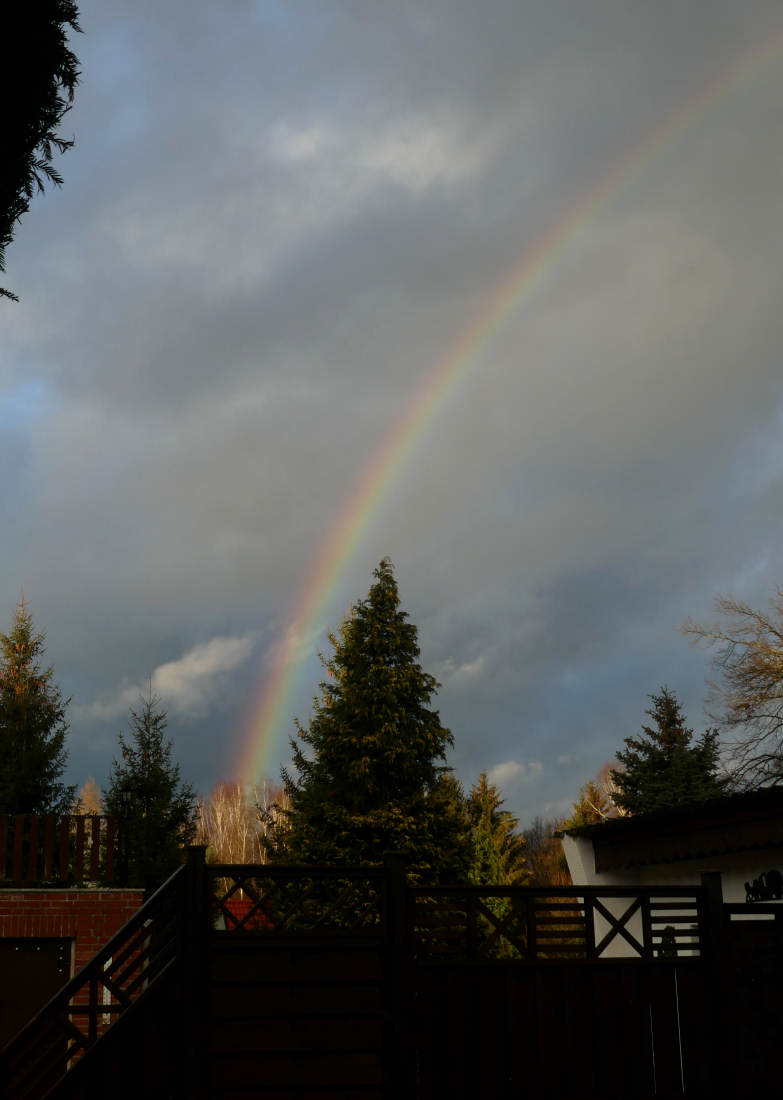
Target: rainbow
pixel 270 713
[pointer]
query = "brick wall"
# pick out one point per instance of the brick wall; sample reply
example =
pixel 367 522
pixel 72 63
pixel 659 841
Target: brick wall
pixel 88 917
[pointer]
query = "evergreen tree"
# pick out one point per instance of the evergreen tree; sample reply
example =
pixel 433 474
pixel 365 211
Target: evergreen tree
pixel 498 850
pixel 371 773
pixel 32 725
pixel 662 767
pixel 37 82
pixel 159 816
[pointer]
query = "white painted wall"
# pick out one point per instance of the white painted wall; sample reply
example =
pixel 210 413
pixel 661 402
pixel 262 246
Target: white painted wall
pixel 736 868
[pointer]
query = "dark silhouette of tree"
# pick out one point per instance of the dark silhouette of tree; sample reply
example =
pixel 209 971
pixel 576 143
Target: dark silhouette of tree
pixel 32 725
pixel 371 773
pixel 159 812
pixel 38 77
pixel 663 767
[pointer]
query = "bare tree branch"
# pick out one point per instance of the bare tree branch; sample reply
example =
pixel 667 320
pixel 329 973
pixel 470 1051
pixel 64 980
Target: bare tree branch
pixel 748 696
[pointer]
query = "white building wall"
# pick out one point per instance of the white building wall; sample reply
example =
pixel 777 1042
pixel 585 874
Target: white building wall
pixel 736 868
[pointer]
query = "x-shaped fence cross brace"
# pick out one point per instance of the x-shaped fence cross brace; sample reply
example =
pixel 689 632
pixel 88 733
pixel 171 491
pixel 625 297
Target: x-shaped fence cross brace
pixel 500 926
pixel 617 926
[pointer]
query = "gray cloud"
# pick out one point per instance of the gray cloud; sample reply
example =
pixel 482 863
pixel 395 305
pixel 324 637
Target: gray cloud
pixel 273 225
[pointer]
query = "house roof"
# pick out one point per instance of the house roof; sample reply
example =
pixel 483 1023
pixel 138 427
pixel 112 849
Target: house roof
pixel 734 823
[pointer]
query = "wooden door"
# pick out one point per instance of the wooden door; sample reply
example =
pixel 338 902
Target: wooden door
pixel 31 971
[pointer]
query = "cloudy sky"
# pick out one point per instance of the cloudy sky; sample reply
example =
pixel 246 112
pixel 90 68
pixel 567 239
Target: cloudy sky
pixel 277 219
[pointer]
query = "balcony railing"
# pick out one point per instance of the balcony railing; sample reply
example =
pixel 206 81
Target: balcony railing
pixel 50 851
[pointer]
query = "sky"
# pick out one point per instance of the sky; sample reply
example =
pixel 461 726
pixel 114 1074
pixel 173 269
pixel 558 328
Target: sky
pixel 278 223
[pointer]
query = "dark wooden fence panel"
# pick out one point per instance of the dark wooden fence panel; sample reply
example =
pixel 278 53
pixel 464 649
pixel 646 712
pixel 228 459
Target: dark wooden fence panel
pixel 608 1029
pixel 39 850
pixel 287 1015
pixel 753 984
pixel 700 1006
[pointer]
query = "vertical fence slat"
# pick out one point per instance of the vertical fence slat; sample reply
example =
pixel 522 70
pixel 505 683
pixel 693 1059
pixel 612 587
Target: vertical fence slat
pixel 530 905
pixel 194 918
pixel 49 839
pixel 470 926
pixel 717 951
pixel 92 1002
pixel 647 932
pixel 589 912
pixel 78 859
pixel 3 843
pixel 16 874
pixel 64 847
pixel 396 919
pixel 665 1029
pixel 108 867
pixel 32 860
pixel 95 848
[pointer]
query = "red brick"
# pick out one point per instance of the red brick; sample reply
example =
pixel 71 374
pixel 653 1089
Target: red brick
pixel 89 917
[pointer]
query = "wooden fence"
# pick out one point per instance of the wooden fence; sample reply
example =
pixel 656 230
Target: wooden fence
pixel 52 851
pixel 349 984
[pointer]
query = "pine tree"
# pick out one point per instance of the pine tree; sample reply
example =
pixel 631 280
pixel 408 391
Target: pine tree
pixel 32 725
pixel 498 849
pixel 662 767
pixel 159 816
pixel 371 773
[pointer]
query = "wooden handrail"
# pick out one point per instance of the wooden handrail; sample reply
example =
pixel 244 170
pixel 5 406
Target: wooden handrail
pixel 133 960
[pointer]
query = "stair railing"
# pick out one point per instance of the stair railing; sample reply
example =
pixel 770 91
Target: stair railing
pixel 136 959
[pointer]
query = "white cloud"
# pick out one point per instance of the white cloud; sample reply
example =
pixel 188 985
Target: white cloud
pixel 188 687
pixel 293 145
pixel 449 671
pixel 414 152
pixel 511 771
pixel 419 153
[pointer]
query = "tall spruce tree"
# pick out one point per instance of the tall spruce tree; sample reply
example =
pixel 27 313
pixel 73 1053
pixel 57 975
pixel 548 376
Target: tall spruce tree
pixel 32 725
pixel 662 767
pixel 371 774
pixel 159 814
pixel 498 849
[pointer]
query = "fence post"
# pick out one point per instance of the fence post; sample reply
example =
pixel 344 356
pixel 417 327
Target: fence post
pixel 195 923
pixel 399 992
pixel 719 962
